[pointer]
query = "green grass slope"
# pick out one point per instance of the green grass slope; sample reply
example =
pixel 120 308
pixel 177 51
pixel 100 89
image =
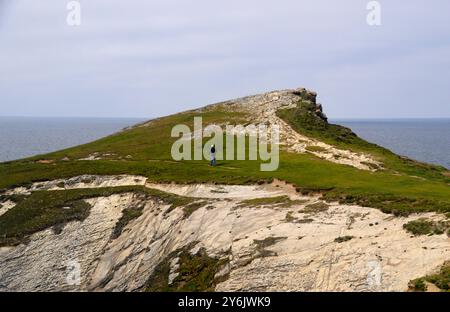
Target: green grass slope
pixel 404 185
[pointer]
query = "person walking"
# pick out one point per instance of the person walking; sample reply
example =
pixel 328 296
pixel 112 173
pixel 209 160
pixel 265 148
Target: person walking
pixel 213 155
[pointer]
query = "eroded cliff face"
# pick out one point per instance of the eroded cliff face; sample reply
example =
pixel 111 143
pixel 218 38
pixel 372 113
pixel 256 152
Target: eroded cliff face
pixel 249 238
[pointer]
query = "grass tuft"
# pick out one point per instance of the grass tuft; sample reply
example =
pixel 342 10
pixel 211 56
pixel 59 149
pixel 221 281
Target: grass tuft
pixel 424 226
pixel 441 280
pixel 278 202
pixel 190 208
pixel 316 208
pixel 195 273
pixel 128 215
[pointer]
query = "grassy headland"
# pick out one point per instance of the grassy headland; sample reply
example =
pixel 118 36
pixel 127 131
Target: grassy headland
pixel 403 186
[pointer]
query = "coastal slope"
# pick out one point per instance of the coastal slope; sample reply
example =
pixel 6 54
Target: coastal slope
pixel 339 214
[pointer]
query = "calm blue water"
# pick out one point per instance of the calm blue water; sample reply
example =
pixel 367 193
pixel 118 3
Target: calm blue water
pixel 25 136
pixel 426 140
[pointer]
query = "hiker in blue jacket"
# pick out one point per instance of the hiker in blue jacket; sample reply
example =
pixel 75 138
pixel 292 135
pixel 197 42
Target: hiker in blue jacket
pixel 213 155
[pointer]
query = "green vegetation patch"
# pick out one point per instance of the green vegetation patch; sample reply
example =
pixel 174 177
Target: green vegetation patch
pixel 306 120
pixel 16 198
pixel 316 207
pixel 290 218
pixel 388 203
pixel 312 190
pixel 195 273
pixel 128 215
pixel 418 285
pixel 424 226
pixel 190 208
pixel 45 209
pixel 40 211
pixel 441 280
pixel 278 202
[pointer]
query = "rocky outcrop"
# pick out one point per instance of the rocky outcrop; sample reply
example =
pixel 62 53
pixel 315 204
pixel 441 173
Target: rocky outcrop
pixel 264 107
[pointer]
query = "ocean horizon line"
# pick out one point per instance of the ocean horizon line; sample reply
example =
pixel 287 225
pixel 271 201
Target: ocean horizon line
pixel 74 117
pixel 151 117
pixel 391 119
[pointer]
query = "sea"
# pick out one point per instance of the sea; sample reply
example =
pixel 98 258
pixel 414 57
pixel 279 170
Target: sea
pixel 21 137
pixel 426 140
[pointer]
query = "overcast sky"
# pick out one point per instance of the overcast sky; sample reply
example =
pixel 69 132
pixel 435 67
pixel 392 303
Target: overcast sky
pixel 151 58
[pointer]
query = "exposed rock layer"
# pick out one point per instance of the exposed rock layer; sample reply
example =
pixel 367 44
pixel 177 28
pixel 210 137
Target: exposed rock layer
pixel 269 247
